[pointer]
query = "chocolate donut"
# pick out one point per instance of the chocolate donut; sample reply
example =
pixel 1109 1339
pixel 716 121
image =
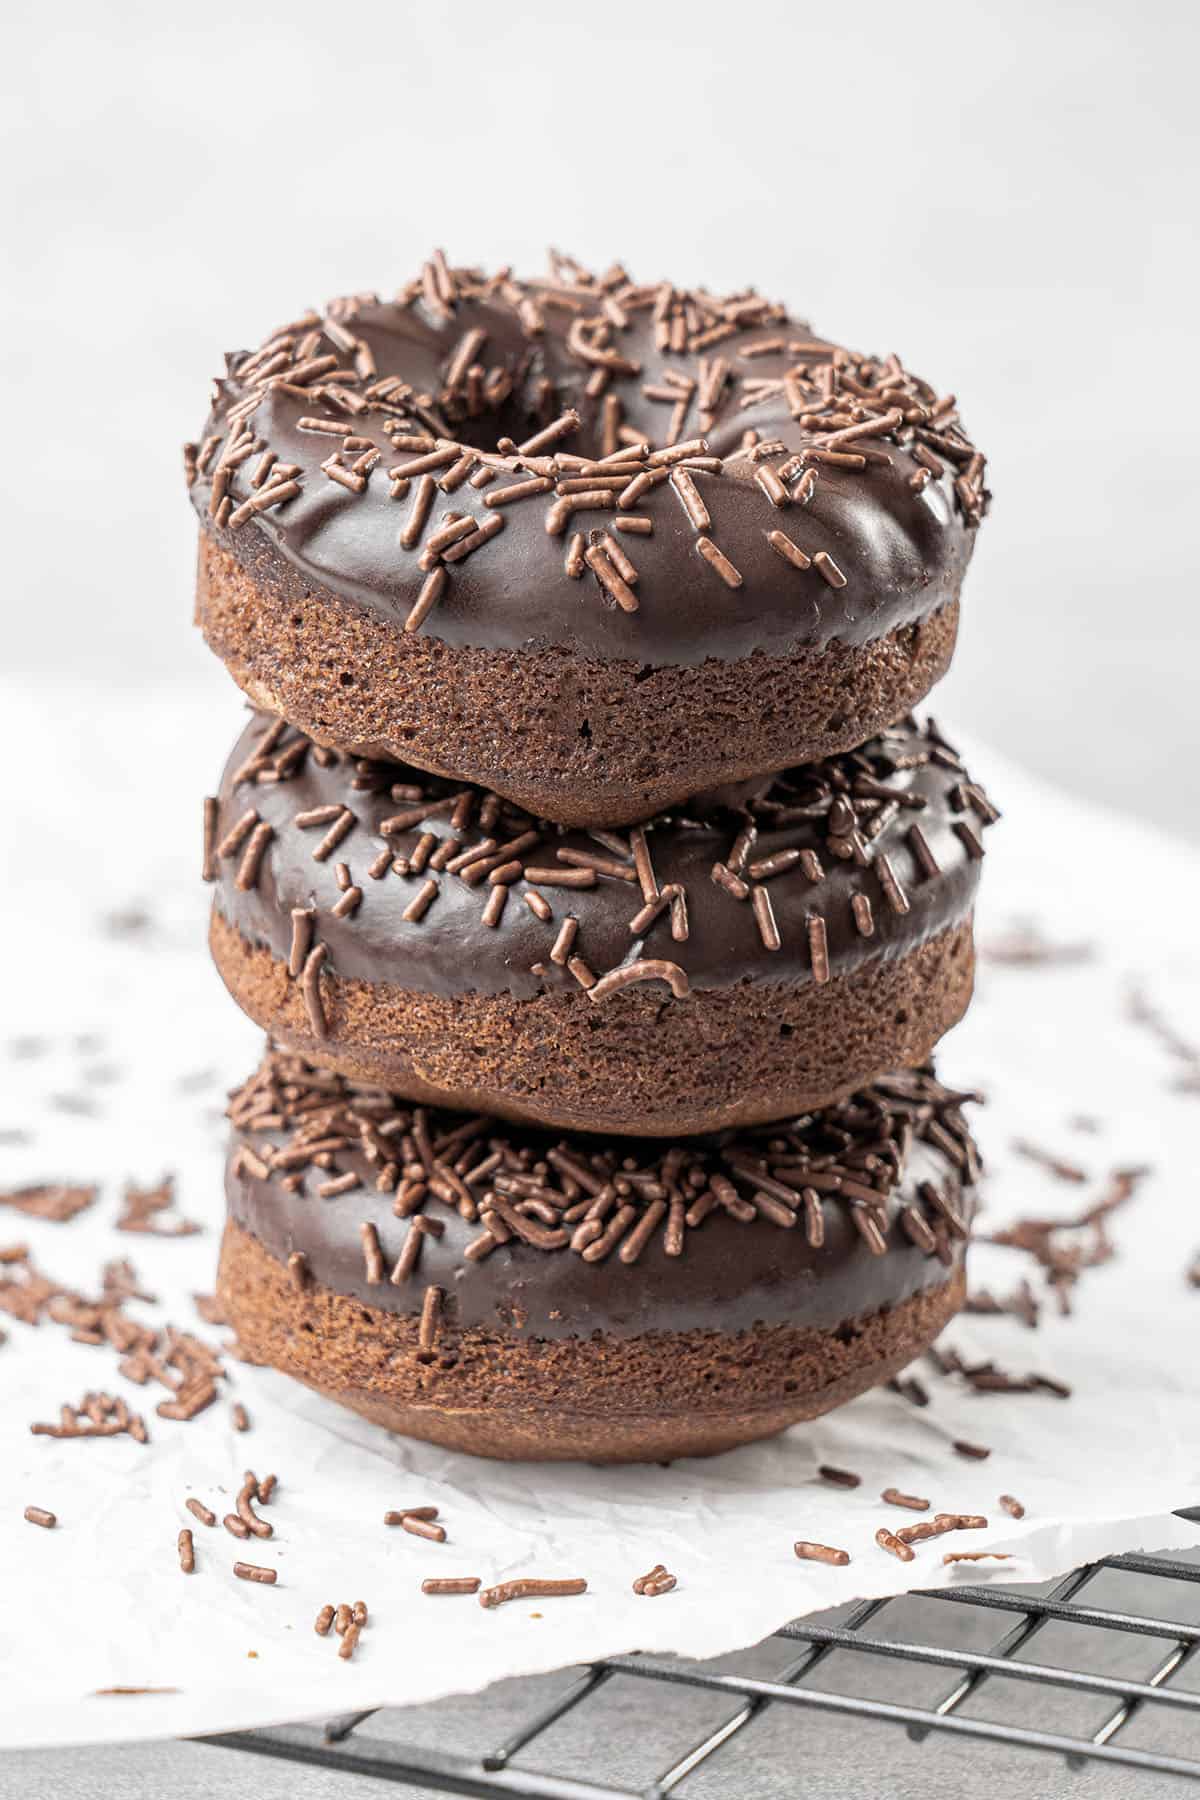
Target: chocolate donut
pixel 592 545
pixel 504 1292
pixel 756 953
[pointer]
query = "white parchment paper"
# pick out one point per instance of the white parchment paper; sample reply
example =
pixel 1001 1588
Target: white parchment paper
pixel 117 1044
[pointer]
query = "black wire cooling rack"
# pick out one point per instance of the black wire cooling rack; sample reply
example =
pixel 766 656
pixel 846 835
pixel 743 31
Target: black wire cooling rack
pixel 965 1693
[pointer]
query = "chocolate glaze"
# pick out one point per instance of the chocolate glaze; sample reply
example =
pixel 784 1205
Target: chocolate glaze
pixel 902 550
pixel 730 1277
pixel 451 951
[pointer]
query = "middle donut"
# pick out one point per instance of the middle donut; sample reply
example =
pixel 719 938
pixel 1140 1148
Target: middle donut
pixel 753 954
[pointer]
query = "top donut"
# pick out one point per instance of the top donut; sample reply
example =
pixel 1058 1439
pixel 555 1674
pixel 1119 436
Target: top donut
pixel 595 545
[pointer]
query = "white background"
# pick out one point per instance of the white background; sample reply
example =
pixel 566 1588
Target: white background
pixel 1002 193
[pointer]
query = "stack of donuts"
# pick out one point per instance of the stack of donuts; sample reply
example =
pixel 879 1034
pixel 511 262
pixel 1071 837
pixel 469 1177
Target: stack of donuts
pixel 599 891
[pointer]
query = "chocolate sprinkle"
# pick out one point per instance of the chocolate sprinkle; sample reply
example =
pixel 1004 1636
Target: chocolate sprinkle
pixel 54 1202
pixel 529 1588
pixel 893 1497
pixel 316 1126
pixel 464 838
pixel 843 1478
pixel 254 1572
pixel 823 1553
pixel 973 1452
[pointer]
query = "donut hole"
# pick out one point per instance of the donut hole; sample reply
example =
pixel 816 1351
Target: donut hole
pixel 536 402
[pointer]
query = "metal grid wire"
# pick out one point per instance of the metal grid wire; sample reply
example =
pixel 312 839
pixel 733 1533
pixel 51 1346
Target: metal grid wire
pixel 1171 1644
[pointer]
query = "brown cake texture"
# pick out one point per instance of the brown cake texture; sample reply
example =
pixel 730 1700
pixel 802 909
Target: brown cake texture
pixel 760 952
pixel 593 544
pixel 512 1294
pixel 601 742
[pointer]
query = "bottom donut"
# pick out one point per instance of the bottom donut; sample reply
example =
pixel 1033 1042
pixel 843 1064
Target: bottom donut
pixel 518 1294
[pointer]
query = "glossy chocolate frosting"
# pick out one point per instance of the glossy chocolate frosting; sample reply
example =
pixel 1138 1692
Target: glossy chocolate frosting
pixel 345 383
pixel 731 1273
pixel 850 820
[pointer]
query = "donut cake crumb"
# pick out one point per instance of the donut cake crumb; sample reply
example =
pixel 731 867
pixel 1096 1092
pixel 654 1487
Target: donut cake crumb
pixel 601 742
